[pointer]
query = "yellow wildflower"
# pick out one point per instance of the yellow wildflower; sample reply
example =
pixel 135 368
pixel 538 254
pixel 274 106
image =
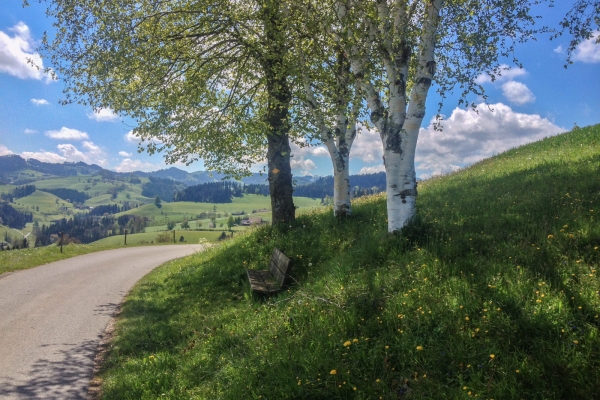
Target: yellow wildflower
pixel 333 372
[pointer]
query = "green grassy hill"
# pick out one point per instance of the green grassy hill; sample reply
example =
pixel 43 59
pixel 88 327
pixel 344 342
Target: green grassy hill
pixel 493 293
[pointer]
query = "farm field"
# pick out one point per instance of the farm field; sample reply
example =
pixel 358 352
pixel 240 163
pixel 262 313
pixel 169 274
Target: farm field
pixel 176 211
pixel 148 237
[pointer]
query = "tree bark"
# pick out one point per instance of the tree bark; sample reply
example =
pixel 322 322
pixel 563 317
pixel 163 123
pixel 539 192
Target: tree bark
pixel 277 116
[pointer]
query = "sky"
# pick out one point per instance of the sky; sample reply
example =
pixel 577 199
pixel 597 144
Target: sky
pixel 524 105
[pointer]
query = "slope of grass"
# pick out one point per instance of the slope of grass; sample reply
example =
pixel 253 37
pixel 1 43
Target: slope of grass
pixel 43 205
pixel 492 292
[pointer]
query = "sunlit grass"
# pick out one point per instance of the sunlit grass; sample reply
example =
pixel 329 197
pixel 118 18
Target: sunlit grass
pixel 492 292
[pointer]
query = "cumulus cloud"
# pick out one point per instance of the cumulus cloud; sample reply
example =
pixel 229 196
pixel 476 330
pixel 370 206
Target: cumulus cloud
pixel 4 151
pixel 588 51
pixel 131 138
pixel 559 50
pixel 92 154
pixel 367 146
pixel 303 165
pixel 45 156
pixel 469 136
pixel 29 131
pixel 306 151
pixel 103 115
pixel 506 74
pixel 517 92
pixel 130 165
pixel 371 170
pixel 125 154
pixel 16 50
pixel 67 134
pixel 40 102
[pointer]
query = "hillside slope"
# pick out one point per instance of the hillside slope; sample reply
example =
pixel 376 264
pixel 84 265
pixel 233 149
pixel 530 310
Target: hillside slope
pixel 493 292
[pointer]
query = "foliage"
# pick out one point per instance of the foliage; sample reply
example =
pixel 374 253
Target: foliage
pixel 13 218
pixel 73 195
pixel 106 209
pixel 164 237
pixel 495 295
pixel 361 185
pixel 85 229
pixel 23 191
pixel 213 192
pixel 582 22
pixel 164 188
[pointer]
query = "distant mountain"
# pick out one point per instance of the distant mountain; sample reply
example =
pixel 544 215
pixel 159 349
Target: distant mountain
pixel 14 163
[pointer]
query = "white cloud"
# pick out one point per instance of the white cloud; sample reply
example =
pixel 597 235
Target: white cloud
pixel 517 92
pixel 125 154
pixel 129 165
pixel 131 138
pixel 367 146
pixel 559 50
pixel 303 165
pixel 372 170
pixel 40 102
pixel 45 156
pixel 103 115
pixel 506 74
pixel 303 151
pixel 469 136
pixel 588 51
pixel 15 52
pixel 29 131
pixel 93 154
pixel 4 151
pixel 67 134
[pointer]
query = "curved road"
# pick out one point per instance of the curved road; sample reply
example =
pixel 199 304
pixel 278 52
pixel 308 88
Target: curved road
pixel 53 316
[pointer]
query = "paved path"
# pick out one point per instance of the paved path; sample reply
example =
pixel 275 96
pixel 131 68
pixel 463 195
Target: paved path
pixel 52 318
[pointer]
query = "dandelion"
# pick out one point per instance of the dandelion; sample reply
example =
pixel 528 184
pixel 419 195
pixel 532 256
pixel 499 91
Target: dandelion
pixel 347 343
pixel 333 372
pixel 492 356
pixel 355 340
pixel 387 347
pixel 550 236
pixel 518 372
pixel 466 318
pixel 377 380
pixel 419 348
pixel 576 341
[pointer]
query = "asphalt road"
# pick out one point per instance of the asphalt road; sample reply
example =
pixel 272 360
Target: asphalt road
pixel 52 318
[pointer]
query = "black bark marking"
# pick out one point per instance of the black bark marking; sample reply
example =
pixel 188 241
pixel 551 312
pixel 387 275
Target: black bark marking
pixel 424 81
pixel 430 67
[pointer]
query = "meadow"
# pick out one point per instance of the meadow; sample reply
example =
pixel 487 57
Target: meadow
pixel 491 292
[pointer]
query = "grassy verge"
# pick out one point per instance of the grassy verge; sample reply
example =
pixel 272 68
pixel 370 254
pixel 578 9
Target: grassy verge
pixel 493 292
pixel 15 260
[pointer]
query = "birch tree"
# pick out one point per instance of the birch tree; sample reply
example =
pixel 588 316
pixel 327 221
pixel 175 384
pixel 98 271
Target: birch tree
pixel 398 48
pixel 202 79
pixel 333 104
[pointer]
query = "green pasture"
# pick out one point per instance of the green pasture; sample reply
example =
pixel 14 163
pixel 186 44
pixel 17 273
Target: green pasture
pixel 192 237
pixel 491 292
pixel 176 211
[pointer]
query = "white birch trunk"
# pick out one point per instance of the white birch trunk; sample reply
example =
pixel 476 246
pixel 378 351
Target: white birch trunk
pixel 341 179
pixel 401 184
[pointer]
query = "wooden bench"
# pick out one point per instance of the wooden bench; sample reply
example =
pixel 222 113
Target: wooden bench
pixel 273 279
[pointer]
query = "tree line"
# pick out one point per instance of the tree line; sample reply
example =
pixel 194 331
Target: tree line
pixel 13 218
pixel 74 196
pixel 211 192
pixel 161 187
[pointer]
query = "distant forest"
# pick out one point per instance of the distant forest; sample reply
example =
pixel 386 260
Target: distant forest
pixel 213 192
pixel 13 218
pixel 163 188
pixel 360 185
pixel 73 195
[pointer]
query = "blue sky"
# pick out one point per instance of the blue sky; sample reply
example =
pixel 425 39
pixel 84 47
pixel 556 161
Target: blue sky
pixel 540 100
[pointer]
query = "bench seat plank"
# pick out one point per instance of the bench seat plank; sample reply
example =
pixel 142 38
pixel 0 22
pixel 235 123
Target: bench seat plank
pixel 273 279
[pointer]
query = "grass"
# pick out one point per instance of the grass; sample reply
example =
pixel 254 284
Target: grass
pixel 43 206
pixel 176 211
pixel 492 292
pixel 15 260
pixel 147 237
